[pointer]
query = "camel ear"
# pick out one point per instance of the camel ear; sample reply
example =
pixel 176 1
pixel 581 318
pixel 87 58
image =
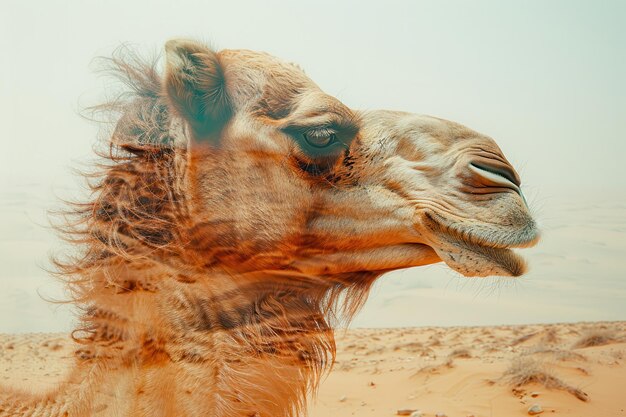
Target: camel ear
pixel 195 87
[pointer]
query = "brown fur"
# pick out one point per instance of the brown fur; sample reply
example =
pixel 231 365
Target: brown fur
pixel 135 223
pixel 211 264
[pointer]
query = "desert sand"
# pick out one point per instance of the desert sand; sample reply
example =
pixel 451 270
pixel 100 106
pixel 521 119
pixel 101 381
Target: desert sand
pixel 562 369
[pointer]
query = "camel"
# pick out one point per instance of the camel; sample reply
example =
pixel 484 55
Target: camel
pixel 240 215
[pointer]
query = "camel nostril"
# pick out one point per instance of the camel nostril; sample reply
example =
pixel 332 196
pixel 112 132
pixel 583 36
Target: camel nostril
pixel 499 169
pixel 498 177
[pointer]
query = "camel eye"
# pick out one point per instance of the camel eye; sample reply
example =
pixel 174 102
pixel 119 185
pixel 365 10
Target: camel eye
pixel 320 138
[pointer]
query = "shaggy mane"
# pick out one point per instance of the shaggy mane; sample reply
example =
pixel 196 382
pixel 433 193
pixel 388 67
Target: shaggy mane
pixel 137 214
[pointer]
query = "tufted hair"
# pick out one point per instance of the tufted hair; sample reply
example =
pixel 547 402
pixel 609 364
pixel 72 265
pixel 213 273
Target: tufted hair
pixel 137 214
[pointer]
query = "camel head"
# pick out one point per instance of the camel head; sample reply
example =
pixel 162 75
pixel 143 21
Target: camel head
pixel 285 177
pixel 241 211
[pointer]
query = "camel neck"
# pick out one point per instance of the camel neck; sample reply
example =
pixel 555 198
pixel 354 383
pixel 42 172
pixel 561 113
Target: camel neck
pixel 222 342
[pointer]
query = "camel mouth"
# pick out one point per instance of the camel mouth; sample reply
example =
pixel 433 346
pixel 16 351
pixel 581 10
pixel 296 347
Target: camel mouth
pixel 472 260
pixel 482 251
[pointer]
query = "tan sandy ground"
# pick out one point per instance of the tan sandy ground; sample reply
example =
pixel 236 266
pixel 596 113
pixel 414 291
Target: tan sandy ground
pixel 457 371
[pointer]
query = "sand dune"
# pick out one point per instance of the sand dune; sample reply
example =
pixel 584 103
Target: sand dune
pixel 565 370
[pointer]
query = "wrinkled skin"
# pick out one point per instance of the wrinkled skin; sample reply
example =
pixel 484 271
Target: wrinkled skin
pixel 297 180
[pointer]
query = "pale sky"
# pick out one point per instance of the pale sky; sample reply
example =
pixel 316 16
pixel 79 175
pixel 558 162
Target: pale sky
pixel 545 79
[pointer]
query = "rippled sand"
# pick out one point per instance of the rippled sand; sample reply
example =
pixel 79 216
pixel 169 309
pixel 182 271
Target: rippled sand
pixel 459 371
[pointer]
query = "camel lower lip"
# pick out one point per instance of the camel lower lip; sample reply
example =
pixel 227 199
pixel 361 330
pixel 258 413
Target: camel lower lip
pixel 476 260
pixel 506 259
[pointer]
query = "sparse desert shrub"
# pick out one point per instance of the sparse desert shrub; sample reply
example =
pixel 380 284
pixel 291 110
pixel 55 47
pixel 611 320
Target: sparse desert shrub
pixel 376 350
pixel 427 352
pixel 595 338
pixel 568 355
pixel 550 336
pixel 558 354
pixel 460 353
pixel 526 370
pixel 435 342
pixel 522 339
pixel 412 347
pixel 434 369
